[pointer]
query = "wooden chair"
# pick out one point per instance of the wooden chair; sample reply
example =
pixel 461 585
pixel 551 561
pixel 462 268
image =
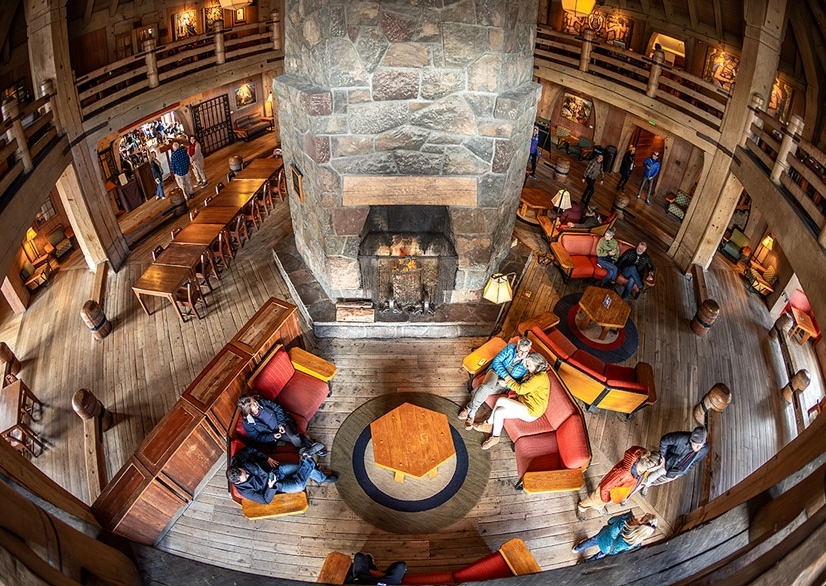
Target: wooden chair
pixel 252 215
pixel 238 230
pixel 21 437
pixel 278 186
pixel 206 269
pixel 188 296
pixel 261 201
pixel 157 252
pixel 174 232
pixel 230 175
pixel 194 213
pixel 218 187
pixel 27 403
pixel 220 246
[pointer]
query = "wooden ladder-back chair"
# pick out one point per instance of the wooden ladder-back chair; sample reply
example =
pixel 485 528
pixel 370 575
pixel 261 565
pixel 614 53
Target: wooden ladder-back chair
pixel 206 269
pixel 21 437
pixel 189 295
pixel 278 186
pixel 174 232
pixel 157 252
pixel 218 187
pixel 221 249
pixel 261 200
pixel 238 230
pixel 252 215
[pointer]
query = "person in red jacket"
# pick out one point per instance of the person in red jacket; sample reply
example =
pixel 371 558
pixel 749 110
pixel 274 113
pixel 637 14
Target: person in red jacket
pixel 623 480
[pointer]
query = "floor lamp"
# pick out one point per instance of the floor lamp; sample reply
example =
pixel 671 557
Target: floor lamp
pixel 499 290
pixel 561 202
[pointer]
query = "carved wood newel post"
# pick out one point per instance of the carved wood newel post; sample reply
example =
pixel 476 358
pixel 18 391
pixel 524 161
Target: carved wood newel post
pixel 11 114
pixel 220 47
pixel 587 45
pixel 756 104
pixel 47 89
pixel 275 18
pixel 151 63
pixel 656 70
pixel 792 132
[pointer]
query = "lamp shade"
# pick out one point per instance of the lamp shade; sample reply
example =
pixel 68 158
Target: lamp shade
pixel 562 199
pixel 234 4
pixel 31 234
pixel 768 242
pixel 498 289
pixel 579 7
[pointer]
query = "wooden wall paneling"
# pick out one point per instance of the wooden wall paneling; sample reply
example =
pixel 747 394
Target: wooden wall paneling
pixel 89 51
pixel 215 391
pixel 275 322
pixel 675 164
pixel 181 448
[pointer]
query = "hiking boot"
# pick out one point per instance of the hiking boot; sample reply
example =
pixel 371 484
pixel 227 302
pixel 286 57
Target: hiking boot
pixel 314 449
pixel 332 478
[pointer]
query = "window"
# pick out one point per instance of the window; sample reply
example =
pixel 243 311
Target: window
pixel 46 212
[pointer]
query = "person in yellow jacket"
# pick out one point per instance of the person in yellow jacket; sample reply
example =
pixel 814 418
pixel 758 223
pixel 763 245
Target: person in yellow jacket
pixel 527 400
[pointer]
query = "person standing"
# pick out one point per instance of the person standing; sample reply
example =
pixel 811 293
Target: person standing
pixel 607 255
pixel 179 165
pixel 632 265
pixel 157 174
pixel 682 450
pixel 622 533
pixel 508 364
pixel 592 171
pixel 626 167
pixel 649 174
pixel 197 159
pixel 624 479
pixel 534 151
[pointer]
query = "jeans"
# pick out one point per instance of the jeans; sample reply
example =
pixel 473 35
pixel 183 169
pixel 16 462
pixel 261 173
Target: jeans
pixel 587 544
pixel 491 385
pixel 632 274
pixel 589 191
pixel 159 191
pixel 294 477
pixel 623 180
pixel 608 266
pixel 650 181
pixel 533 158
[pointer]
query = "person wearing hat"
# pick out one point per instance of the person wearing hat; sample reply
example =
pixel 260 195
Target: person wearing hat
pixel 607 255
pixel 649 174
pixel 626 167
pixel 682 450
pixel 622 533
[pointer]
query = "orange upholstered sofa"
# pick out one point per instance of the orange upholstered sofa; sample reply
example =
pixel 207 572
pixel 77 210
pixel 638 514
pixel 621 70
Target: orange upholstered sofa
pixel 576 257
pixel 605 386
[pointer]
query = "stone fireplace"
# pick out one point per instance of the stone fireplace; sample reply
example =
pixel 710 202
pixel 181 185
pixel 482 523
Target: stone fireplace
pixel 409 126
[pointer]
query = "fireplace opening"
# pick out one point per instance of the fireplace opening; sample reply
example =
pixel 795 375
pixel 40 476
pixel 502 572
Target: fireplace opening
pixel 406 257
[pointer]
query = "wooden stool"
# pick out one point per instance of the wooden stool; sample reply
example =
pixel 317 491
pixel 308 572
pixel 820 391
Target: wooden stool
pixel 23 439
pixel 27 403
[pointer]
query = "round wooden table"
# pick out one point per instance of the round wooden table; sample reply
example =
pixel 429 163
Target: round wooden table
pixel 533 203
pixel 593 308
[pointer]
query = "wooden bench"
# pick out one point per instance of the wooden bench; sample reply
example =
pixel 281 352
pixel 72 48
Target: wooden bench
pixel 282 504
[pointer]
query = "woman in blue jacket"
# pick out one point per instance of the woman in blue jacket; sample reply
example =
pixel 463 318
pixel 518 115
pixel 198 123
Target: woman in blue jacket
pixel 622 533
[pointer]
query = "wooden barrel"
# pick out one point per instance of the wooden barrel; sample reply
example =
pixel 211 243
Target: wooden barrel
pixel 620 203
pixel 705 317
pixel 799 382
pixel 236 163
pixel 561 169
pixel 7 356
pixel 95 319
pixel 178 201
pixel 717 399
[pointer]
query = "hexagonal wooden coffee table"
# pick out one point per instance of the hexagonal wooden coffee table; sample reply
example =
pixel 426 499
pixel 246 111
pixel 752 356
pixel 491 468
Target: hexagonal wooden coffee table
pixel 593 309
pixel 412 441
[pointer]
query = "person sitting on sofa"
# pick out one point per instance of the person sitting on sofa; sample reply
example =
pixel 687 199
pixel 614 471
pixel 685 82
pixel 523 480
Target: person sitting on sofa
pixel 591 219
pixel 530 399
pixel 571 216
pixel 508 364
pixel 266 423
pixel 259 477
pixel 632 265
pixel 607 255
pixel 626 477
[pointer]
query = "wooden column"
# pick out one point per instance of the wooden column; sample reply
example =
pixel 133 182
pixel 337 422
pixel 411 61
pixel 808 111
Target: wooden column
pixel 656 71
pixel 16 132
pixel 152 63
pixel 587 45
pixel 792 132
pixel 220 47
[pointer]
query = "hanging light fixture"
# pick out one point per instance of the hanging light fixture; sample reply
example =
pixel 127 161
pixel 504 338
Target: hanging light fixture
pixel 579 7
pixel 234 4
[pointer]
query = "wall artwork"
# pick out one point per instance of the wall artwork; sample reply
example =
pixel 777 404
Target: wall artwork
pixel 298 182
pixel 611 28
pixel 576 109
pixel 721 68
pixel 184 24
pixel 780 101
pixel 240 16
pixel 212 14
pixel 245 95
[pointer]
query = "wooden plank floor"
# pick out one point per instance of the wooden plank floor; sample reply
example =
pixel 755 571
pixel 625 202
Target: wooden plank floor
pixel 140 369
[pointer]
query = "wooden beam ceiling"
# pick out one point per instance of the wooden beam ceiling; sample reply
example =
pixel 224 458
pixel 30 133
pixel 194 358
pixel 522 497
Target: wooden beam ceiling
pixel 6 18
pixel 718 20
pixel 692 13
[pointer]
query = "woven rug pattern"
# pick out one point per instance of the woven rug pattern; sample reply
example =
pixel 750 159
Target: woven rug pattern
pixel 425 505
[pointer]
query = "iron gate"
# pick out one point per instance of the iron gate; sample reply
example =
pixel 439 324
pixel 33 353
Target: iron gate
pixel 213 124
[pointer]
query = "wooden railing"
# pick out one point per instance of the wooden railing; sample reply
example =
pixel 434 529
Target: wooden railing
pixel 674 88
pixel 129 77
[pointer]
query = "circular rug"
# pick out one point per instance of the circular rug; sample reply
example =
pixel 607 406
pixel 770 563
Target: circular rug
pixel 424 505
pixel 617 347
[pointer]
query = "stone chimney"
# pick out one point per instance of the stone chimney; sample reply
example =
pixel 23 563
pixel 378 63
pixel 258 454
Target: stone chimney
pixel 406 103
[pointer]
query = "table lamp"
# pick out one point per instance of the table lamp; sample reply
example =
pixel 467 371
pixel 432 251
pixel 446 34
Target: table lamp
pixel 767 244
pixel 499 290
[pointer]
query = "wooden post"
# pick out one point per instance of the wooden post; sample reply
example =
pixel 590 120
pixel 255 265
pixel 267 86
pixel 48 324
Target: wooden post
pixel 587 45
pixel 656 70
pixel 716 399
pixel 47 89
pixel 96 420
pixel 275 18
pixel 793 130
pixel 756 104
pixel 151 63
pixel 798 383
pixel 220 46
pixel 12 113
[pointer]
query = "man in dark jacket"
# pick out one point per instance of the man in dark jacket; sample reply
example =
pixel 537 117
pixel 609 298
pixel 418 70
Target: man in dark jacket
pixel 626 167
pixel 632 264
pixel 681 450
pixel 259 477
pixel 266 423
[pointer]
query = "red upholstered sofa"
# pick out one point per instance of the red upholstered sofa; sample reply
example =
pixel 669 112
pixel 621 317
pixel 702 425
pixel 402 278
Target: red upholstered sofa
pixel 279 379
pixel 552 233
pixel 606 386
pixel 576 257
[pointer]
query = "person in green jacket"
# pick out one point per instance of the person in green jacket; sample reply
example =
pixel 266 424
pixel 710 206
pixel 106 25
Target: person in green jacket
pixel 607 255
pixel 526 400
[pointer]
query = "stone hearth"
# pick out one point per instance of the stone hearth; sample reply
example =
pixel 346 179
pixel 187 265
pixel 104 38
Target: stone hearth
pixel 397 103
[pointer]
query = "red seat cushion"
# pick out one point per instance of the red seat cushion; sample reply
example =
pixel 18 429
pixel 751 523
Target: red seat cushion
pixel 274 376
pixel 583 267
pixel 623 377
pixel 557 341
pixel 302 397
pixel 579 244
pixel 429 578
pixel 589 364
pixel 536 453
pixel 560 404
pixel 490 567
pixel 572 439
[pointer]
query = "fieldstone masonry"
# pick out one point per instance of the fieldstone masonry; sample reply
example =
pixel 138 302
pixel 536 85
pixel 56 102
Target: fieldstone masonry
pixel 434 88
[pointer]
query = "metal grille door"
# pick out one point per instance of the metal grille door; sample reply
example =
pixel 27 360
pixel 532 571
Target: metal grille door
pixel 213 124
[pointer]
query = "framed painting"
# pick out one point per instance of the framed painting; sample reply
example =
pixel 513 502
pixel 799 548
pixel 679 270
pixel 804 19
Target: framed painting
pixel 184 24
pixel 245 95
pixel 576 109
pixel 780 100
pixel 298 182
pixel 212 14
pixel 721 68
pixel 240 16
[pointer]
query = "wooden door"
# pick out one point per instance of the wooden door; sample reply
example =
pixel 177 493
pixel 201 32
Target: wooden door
pixel 213 124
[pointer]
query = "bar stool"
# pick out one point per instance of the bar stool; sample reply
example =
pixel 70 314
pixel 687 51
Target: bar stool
pixel 23 439
pixel 28 402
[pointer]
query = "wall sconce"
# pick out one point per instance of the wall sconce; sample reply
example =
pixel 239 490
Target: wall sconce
pixel 579 7
pixel 499 290
pixel 766 246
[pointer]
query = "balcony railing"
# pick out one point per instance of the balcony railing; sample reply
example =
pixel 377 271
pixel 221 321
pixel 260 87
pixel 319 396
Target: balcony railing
pixel 676 89
pixel 154 66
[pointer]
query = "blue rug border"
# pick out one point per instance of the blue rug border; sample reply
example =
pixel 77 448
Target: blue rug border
pixel 621 354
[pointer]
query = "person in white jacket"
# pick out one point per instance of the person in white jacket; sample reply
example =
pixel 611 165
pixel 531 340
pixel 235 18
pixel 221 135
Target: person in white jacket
pixel 197 159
